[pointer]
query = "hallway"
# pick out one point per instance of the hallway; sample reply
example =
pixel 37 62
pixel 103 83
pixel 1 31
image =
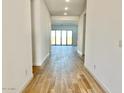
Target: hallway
pixel 63 73
pixel 62 46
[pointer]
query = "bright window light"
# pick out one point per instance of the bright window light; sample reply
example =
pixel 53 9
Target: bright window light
pixel 69 37
pixel 63 37
pixel 53 37
pixel 58 37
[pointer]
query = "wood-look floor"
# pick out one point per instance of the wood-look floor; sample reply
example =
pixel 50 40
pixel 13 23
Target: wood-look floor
pixel 63 73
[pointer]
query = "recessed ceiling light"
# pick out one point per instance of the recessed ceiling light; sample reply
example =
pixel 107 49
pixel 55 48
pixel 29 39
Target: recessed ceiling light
pixel 65 13
pixel 67 0
pixel 66 8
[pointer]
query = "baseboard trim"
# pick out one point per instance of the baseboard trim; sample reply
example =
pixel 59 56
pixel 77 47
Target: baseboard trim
pixel 80 55
pixel 101 85
pixel 45 58
pixel 40 64
pixel 79 52
pixel 26 84
pixel 45 61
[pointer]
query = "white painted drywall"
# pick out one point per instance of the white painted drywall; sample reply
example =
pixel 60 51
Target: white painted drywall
pixel 17 54
pixel 103 32
pixel 41 31
pixel 80 34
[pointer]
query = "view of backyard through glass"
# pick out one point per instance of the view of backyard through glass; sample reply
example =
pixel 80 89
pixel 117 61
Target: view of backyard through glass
pixel 61 37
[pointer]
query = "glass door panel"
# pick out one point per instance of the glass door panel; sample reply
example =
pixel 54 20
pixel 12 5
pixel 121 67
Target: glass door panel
pixel 53 37
pixel 58 37
pixel 63 37
pixel 69 37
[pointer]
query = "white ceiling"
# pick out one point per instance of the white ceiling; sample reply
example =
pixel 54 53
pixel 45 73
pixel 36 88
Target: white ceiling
pixel 56 7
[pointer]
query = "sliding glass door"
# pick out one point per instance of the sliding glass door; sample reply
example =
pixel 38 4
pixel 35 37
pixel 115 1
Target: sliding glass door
pixel 53 40
pixel 64 37
pixel 58 37
pixel 61 37
pixel 69 37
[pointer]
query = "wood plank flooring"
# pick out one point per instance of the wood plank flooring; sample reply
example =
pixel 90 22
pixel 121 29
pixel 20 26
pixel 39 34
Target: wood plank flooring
pixel 63 73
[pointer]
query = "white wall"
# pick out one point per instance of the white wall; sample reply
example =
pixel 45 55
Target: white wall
pixel 17 54
pixel 103 32
pixel 41 31
pixel 80 34
pixel 80 41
